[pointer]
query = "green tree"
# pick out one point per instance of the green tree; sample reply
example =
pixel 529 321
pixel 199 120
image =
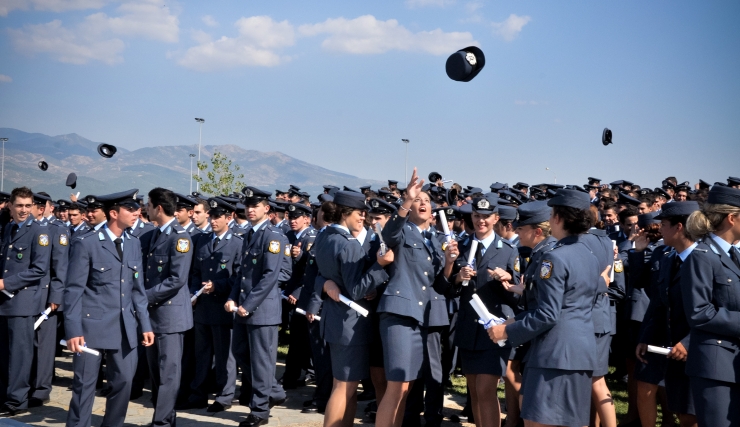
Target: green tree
pixel 222 178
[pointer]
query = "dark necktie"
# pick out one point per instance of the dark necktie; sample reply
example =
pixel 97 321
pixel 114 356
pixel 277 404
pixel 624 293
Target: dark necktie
pixel 676 266
pixel 250 233
pixel 13 231
pixel 119 247
pixel 215 243
pixel 734 256
pixel 478 255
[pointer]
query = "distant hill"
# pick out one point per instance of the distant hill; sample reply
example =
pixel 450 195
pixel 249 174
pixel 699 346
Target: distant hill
pixel 148 167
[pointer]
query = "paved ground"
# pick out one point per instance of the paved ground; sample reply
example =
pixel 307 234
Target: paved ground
pixel 140 411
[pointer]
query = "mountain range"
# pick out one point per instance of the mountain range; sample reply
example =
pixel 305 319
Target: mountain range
pixel 149 167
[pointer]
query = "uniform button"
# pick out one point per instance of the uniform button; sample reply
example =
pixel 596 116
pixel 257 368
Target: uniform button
pixel 719 341
pixel 150 254
pixel 10 246
pixel 435 297
pixel 210 269
pixel 121 309
pixel 122 295
pixel 242 291
pixel 421 303
pixel 429 258
pixel 414 244
pixel 398 292
pixel 244 278
pixel 211 257
pixel 88 314
pixel 169 302
pixel 8 258
pixel 423 288
pixel 122 280
pixel 426 274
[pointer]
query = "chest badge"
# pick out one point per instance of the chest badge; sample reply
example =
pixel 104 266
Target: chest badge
pixel 183 245
pixel 223 266
pixel 43 240
pixel 517 266
pixel 618 266
pixel 20 256
pixel 274 247
pixel 63 240
pixel 254 260
pixel 159 268
pixel 546 270
pixel 136 275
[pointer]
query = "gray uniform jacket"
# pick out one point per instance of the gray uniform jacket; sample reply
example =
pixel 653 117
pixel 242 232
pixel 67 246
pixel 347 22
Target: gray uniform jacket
pixel 221 266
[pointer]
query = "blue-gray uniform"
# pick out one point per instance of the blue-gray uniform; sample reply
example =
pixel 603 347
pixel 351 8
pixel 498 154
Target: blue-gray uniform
pixel 217 259
pixel 255 336
pixel 170 313
pixel 529 295
pixel 24 262
pixel 46 334
pixel 79 230
pixel 104 302
pixel 710 284
pixel 407 306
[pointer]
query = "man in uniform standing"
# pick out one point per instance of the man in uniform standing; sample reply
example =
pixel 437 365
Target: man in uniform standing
pixel 259 307
pixel 105 304
pixel 170 312
pixel 24 262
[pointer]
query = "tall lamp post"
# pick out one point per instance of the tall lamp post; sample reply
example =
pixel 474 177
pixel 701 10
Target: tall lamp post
pixel 2 180
pixel 553 175
pixel 406 162
pixel 200 138
pixel 192 156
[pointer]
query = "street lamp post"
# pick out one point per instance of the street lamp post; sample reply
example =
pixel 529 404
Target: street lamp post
pixel 200 138
pixel 553 175
pixel 2 180
pixel 192 156
pixel 406 162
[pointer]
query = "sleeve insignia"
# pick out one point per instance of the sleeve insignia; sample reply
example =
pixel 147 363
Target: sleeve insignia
pixel 183 245
pixel 517 266
pixel 63 240
pixel 618 266
pixel 444 246
pixel 43 239
pixel 546 269
pixel 274 247
pixel 286 251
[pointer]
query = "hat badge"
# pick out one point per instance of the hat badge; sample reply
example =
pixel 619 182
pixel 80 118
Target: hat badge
pixel 134 196
pixel 291 208
pixel 470 57
pixel 91 199
pixel 483 204
pixel 449 211
pixel 248 193
pixel 214 203
pixel 375 203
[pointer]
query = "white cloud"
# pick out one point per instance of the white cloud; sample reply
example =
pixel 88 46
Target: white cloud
pixel 49 5
pixel 511 27
pixel 427 3
pixel 367 35
pixel 5 79
pixel 98 36
pixel 259 38
pixel 209 21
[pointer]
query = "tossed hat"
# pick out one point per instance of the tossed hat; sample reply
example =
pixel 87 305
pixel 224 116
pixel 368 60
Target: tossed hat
pixel 43 165
pixel 606 136
pixel 465 64
pixel 724 196
pixel 533 213
pixel 570 198
pixel 71 180
pixel 294 210
pixel 380 206
pixel 486 205
pixel 671 210
pixel 107 150
pixel 122 198
pixel 350 199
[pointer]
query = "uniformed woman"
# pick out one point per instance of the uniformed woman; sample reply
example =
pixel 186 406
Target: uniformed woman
pixel 405 303
pixel 556 385
pixel 484 362
pixel 342 271
pixel 665 322
pixel 710 284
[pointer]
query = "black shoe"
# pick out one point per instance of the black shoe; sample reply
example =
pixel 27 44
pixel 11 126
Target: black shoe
pixel 135 394
pixel 10 412
pixel 365 395
pixel 217 407
pixel 35 402
pixel 276 403
pixel 191 405
pixel 313 409
pixel 291 385
pixel 253 421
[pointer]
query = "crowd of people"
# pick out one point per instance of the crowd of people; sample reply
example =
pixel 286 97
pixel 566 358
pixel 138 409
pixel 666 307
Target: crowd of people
pixel 541 288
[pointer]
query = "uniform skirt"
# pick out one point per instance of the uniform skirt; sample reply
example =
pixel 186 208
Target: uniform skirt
pixel 350 362
pixel 603 342
pixel 491 361
pixel 376 345
pixel 403 347
pixel 678 388
pixel 654 371
pixel 556 396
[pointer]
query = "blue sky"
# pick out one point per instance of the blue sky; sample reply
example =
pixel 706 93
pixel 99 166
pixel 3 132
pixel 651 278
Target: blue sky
pixel 339 83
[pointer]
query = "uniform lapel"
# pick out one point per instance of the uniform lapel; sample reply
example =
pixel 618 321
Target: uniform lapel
pixel 108 244
pixel 491 252
pixel 22 230
pixel 723 256
pixel 223 241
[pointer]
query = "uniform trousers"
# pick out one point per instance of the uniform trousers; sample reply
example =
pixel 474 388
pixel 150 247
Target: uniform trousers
pixel 164 358
pixel 187 370
pixel 716 402
pixel 16 359
pixel 45 343
pixel 432 377
pixel 120 369
pixel 321 365
pixel 299 349
pixel 255 350
pixel 213 341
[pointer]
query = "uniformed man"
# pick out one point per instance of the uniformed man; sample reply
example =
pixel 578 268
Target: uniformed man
pixel 200 215
pixel 184 213
pixel 106 310
pixel 170 313
pixel 259 310
pixel 505 225
pixel 215 271
pixel 24 262
pixel 77 224
pixel 62 211
pixel 94 212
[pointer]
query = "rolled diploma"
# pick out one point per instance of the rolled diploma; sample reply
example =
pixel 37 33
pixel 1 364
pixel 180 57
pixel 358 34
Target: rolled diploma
pixel 659 350
pixel 383 246
pixel 235 308
pixel 7 294
pixel 353 305
pixel 197 294
pixel 471 257
pixel 485 315
pixel 298 310
pixel 611 272
pixel 84 349
pixel 40 320
pixel 445 228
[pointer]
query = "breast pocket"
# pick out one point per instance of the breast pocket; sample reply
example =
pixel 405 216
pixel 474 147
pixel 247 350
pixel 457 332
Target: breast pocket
pixel 133 269
pixel 252 257
pixel 223 266
pixel 158 263
pixel 102 273
pixel 19 253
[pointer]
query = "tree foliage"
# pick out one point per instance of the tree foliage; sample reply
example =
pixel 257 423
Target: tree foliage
pixel 222 178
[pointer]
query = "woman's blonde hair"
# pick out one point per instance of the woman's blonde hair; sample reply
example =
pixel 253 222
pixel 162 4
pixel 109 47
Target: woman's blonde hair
pixel 708 219
pixel 545 227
